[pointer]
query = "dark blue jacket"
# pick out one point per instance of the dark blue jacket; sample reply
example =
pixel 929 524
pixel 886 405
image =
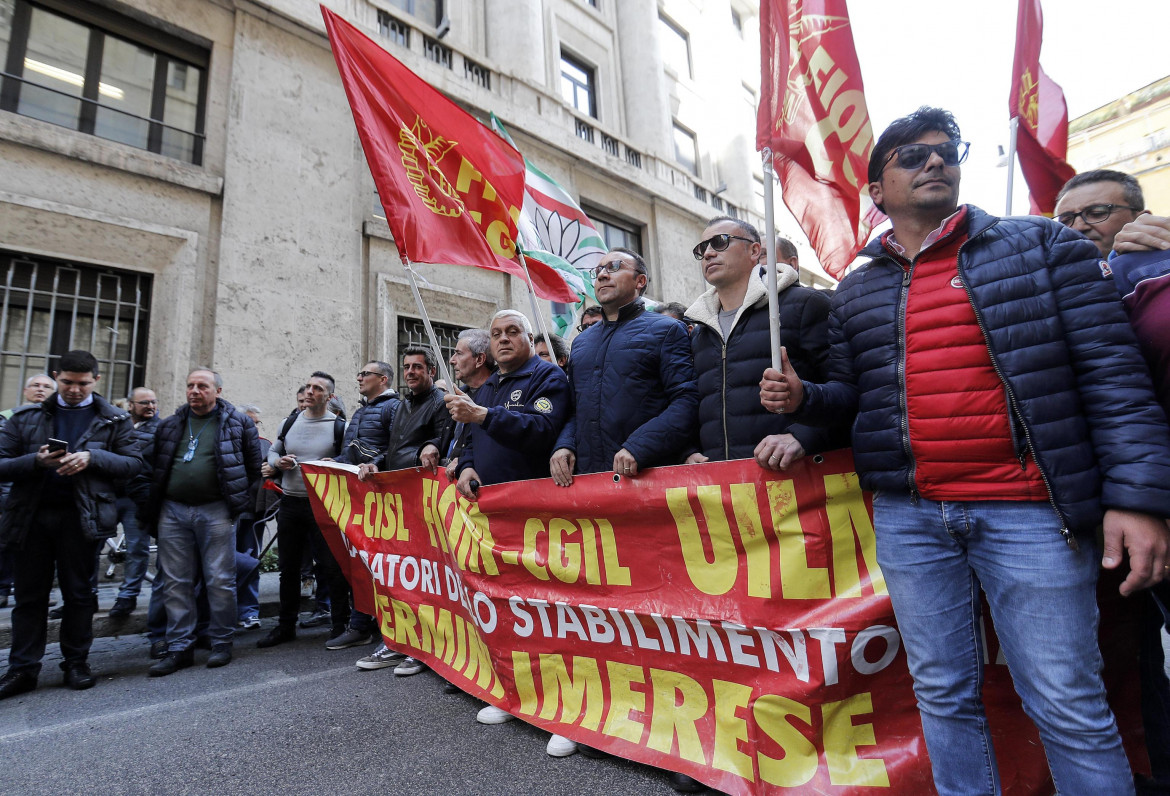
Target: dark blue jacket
pixel 527 409
pixel 368 431
pixel 114 458
pixel 731 420
pixel 1077 388
pixel 237 458
pixel 634 388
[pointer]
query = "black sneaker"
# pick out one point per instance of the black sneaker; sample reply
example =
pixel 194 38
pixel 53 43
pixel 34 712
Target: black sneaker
pixel 172 662
pixel 317 619
pixel 277 635
pixel 57 613
pixel 684 784
pixel 221 655
pixel 14 683
pixel 123 607
pixel 78 676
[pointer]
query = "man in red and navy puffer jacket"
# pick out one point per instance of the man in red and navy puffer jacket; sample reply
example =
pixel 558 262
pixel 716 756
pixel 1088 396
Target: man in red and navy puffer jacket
pixel 1001 411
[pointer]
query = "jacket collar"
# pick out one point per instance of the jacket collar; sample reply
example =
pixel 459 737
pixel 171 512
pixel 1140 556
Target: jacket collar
pixel 977 222
pixel 524 370
pixel 385 395
pixel 105 409
pixel 634 308
pixel 705 310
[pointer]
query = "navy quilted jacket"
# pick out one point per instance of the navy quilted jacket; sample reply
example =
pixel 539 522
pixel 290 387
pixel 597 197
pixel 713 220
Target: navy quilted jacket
pixel 368 431
pixel 237 455
pixel 633 388
pixel 1077 387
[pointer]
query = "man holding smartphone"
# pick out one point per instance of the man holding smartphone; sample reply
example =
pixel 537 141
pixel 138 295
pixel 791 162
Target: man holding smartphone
pixel 63 457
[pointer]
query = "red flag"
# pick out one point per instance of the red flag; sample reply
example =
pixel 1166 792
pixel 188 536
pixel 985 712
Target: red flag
pixel 452 189
pixel 1038 103
pixel 813 117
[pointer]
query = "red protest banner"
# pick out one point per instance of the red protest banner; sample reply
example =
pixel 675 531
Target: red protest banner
pixel 451 188
pixel 1038 103
pixel 813 117
pixel 720 620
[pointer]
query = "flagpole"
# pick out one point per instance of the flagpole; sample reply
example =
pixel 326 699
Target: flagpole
pixel 770 232
pixel 532 299
pixel 426 319
pixel 1011 161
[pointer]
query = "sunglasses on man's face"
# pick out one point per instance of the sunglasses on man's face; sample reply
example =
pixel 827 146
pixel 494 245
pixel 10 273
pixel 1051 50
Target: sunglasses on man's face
pixel 914 156
pixel 718 243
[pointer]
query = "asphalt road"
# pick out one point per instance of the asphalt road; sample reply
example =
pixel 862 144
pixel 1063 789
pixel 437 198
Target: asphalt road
pixel 294 719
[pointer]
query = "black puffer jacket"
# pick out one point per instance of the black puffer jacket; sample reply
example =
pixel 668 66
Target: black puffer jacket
pixel 237 458
pixel 114 457
pixel 368 431
pixel 731 420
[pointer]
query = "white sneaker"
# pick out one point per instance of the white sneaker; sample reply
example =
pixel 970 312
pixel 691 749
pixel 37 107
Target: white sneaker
pixel 560 746
pixel 381 658
pixel 490 714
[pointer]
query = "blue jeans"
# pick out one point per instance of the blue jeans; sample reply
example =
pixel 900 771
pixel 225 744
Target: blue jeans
pixel 156 612
pixel 137 549
pixel 935 557
pixel 194 539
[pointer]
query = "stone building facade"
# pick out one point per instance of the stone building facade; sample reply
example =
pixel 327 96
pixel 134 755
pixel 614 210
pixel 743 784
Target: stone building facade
pixel 1131 135
pixel 181 182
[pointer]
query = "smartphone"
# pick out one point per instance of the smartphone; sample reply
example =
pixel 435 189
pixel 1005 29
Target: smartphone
pixel 58 445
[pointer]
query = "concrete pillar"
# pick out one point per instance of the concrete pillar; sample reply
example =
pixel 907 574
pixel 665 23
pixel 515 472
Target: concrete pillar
pixel 643 81
pixel 515 37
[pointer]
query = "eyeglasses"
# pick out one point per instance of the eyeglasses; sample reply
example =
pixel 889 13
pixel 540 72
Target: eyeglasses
pixel 583 326
pixel 718 243
pixel 1093 214
pixel 145 403
pixel 914 156
pixel 362 374
pixel 612 267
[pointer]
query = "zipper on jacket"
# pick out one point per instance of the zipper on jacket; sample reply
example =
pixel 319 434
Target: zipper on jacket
pixel 1013 404
pixel 723 387
pixel 904 420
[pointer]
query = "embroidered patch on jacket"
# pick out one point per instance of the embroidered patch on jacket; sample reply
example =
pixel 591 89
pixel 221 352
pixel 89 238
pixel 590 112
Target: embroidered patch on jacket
pixel 1106 271
pixel 957 281
pixel 515 396
pixel 543 405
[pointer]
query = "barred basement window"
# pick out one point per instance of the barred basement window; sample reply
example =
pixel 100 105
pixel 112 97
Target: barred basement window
pixel 412 332
pixel 84 67
pixel 48 307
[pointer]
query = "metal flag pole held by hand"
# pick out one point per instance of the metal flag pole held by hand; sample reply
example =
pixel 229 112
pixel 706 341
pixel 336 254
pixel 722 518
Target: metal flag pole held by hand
pixel 770 248
pixel 426 319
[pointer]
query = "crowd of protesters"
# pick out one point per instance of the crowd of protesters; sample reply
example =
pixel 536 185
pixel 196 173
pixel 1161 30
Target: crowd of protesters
pixel 985 371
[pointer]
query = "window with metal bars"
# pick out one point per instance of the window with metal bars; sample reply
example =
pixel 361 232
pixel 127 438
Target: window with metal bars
pixel 49 307
pixel 412 332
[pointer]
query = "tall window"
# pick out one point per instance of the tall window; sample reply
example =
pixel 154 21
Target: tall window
pixel 80 66
pixel 615 231
pixel 685 149
pixel 49 307
pixel 676 47
pixel 578 85
pixel 430 11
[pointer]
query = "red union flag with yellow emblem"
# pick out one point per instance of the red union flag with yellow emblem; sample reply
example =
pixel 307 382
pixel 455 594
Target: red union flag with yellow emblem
pixel 1038 103
pixel 813 117
pixel 452 189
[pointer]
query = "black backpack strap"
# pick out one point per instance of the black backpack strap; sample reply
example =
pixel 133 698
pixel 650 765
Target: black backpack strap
pixel 338 434
pixel 288 422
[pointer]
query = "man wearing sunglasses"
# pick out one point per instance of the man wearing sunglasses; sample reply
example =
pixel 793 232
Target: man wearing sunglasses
pixel 732 346
pixel 1001 411
pixel 632 380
